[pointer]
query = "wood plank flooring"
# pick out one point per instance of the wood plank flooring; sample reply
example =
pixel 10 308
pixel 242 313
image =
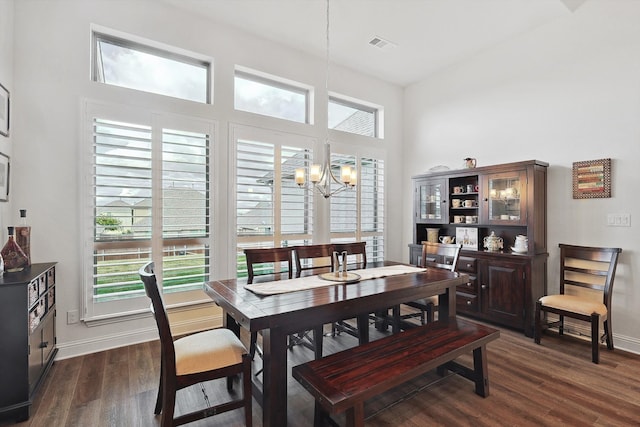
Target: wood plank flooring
pixel 549 385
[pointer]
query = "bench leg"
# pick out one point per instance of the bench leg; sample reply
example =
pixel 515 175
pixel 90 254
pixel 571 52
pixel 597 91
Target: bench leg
pixel 481 371
pixel 355 415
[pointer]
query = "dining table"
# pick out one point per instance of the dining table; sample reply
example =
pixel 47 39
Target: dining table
pixel 277 313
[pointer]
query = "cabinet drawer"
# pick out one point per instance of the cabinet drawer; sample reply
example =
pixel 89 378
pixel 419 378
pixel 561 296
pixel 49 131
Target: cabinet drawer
pixel 51 298
pixel 466 302
pixel 471 287
pixel 33 291
pixel 466 264
pixel 36 313
pixel 42 284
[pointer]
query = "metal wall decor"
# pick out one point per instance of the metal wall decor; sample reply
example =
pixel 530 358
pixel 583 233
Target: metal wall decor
pixel 592 179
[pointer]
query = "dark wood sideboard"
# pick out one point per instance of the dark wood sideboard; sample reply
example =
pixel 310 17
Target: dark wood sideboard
pixel 27 336
pixel 509 200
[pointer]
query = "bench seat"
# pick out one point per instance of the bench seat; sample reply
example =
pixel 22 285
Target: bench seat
pixel 343 381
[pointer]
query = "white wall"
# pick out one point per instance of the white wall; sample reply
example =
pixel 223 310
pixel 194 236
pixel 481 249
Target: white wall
pixel 51 56
pixel 566 92
pixel 6 79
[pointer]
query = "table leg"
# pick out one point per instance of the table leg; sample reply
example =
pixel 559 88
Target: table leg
pixel 447 304
pixel 274 410
pixel 363 328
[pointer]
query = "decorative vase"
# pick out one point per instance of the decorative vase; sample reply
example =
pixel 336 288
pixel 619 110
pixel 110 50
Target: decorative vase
pixel 14 257
pixel 23 235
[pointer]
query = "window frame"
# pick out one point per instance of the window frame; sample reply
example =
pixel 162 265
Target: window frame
pixel 359 234
pixel 148 47
pixel 96 313
pixel 346 101
pixel 278 83
pixel 279 140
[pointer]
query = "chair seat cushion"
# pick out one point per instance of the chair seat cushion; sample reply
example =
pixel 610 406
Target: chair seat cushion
pixel 575 304
pixel 207 350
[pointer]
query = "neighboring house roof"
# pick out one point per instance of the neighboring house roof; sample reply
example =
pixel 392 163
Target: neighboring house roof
pixel 359 122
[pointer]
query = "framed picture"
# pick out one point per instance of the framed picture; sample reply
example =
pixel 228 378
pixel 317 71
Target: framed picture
pixel 592 179
pixel 4 111
pixel 4 177
pixel 468 237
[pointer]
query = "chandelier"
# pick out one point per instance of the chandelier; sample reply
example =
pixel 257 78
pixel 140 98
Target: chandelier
pixel 322 176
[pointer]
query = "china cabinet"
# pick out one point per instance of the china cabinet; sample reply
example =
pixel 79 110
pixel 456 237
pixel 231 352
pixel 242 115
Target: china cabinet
pixel 27 336
pixel 507 201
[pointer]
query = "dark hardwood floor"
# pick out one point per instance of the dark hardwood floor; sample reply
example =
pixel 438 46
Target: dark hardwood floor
pixel 549 385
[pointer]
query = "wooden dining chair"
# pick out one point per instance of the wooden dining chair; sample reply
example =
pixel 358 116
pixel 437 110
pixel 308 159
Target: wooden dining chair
pixel 194 359
pixel 356 258
pixel 267 264
pixel 583 270
pixel 435 255
pixel 313 257
pixel 309 259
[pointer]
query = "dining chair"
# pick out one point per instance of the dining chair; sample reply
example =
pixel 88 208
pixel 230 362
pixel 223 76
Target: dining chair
pixel 356 258
pixel 583 271
pixel 313 257
pixel 267 263
pixel 193 359
pixel 310 258
pixel 436 255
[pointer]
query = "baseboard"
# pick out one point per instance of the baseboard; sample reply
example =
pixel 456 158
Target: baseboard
pixel 583 330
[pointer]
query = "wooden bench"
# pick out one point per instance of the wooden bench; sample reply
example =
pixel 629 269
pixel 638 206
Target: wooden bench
pixel 344 380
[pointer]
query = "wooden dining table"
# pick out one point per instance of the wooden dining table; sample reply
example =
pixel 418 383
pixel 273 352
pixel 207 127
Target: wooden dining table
pixel 277 316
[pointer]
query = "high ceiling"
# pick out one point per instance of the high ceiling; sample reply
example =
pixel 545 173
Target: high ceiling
pixel 425 35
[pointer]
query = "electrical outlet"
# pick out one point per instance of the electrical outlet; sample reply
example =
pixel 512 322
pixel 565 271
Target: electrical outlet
pixel 72 317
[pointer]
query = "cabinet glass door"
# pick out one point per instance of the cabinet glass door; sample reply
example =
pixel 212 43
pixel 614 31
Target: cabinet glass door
pixel 431 201
pixel 506 198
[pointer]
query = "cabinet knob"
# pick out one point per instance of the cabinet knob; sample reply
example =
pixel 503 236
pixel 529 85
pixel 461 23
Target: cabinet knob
pixel 44 344
pixel 468 302
pixel 484 286
pixel 486 199
pixel 468 265
pixel 469 284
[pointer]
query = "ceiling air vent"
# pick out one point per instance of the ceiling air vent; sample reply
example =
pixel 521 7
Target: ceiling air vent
pixel 381 43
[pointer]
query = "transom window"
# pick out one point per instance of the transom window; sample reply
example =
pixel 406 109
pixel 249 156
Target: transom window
pixel 125 63
pixel 352 117
pixel 270 96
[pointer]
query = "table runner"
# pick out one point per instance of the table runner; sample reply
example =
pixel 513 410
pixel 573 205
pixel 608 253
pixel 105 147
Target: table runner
pixel 310 282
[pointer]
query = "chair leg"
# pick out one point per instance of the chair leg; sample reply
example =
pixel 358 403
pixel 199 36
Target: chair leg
pixel 317 341
pixel 158 408
pixel 169 397
pixel 252 344
pixel 609 333
pixel 595 343
pixel 431 308
pixel 395 315
pixel 537 326
pixel 246 390
pixel 561 325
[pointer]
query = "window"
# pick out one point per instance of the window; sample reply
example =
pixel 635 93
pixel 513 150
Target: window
pixel 359 215
pixel 352 117
pixel 150 200
pixel 271 210
pixel 272 97
pixel 121 62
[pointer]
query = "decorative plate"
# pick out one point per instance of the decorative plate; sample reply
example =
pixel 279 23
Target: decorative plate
pixel 345 278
